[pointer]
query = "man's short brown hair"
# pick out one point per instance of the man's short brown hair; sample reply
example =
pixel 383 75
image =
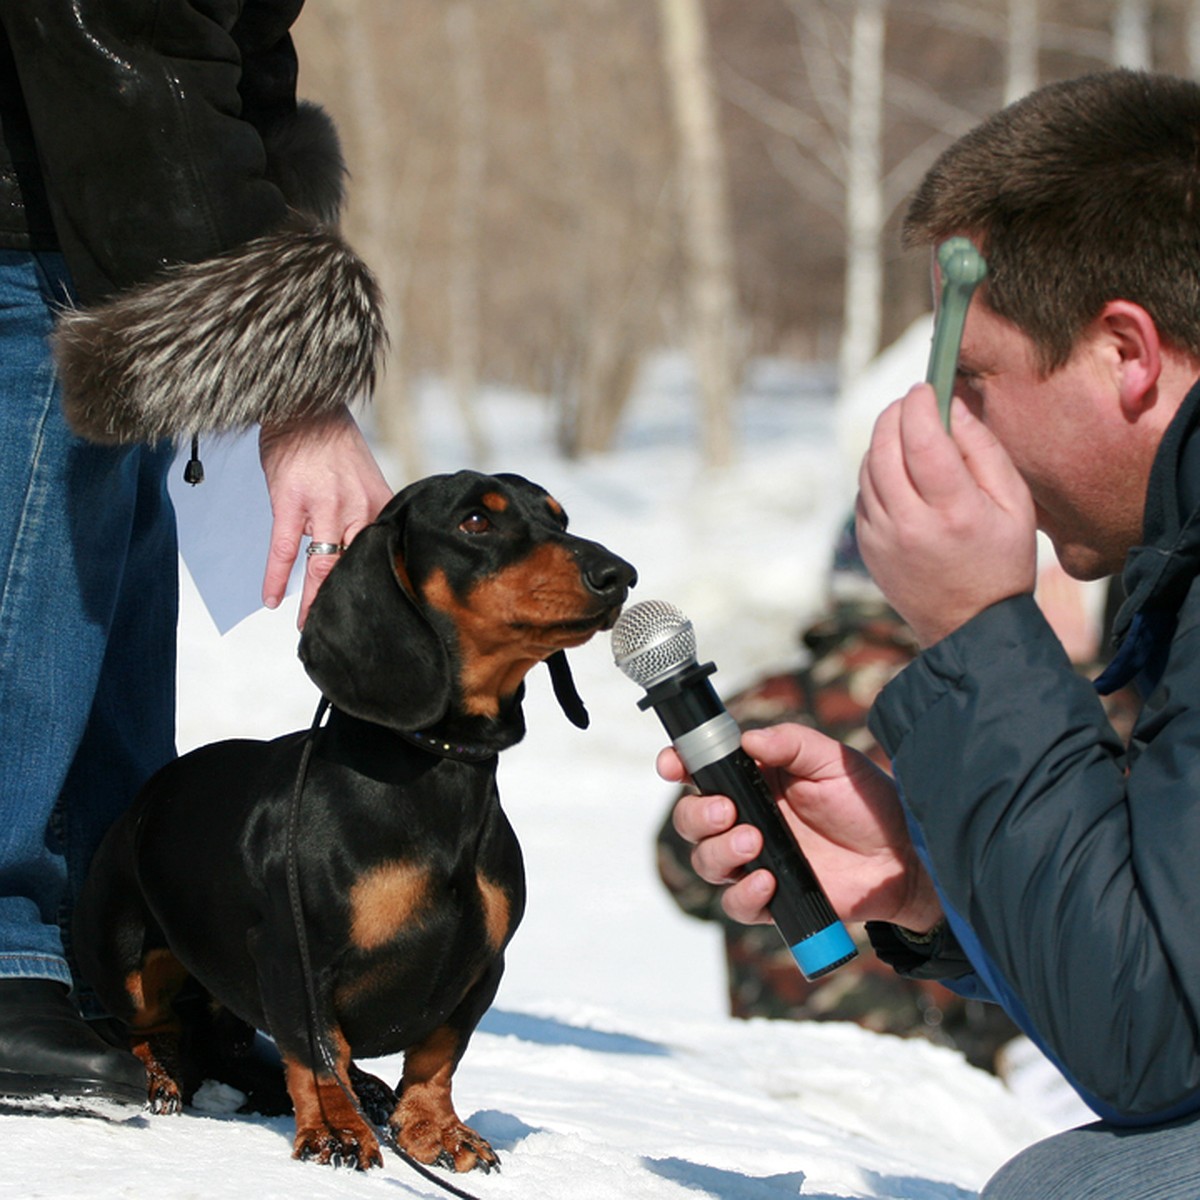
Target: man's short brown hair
pixel 1082 192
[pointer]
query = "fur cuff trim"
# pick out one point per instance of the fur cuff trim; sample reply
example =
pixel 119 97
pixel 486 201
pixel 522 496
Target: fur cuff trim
pixel 283 329
pixel 304 160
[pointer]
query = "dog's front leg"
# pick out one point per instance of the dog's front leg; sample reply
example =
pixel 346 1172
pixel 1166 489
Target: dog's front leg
pixel 329 1125
pixel 159 1054
pixel 424 1124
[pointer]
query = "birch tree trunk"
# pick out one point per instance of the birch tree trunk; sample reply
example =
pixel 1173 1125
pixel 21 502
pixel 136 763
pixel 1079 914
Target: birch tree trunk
pixel 708 239
pixel 1022 72
pixel 377 201
pixel 863 305
pixel 464 295
pixel 1193 38
pixel 1131 34
pixel 574 267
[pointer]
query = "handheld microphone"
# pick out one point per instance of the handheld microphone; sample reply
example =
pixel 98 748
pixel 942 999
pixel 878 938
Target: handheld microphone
pixel 655 645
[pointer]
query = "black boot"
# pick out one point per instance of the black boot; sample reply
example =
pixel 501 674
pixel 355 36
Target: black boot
pixel 50 1059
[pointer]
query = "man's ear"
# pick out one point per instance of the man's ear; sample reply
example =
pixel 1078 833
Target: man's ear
pixel 1136 354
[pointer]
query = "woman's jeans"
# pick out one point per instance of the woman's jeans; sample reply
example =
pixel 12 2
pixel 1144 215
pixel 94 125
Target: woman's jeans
pixel 88 610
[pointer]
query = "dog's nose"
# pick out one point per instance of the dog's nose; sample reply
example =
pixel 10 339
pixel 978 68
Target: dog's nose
pixel 609 577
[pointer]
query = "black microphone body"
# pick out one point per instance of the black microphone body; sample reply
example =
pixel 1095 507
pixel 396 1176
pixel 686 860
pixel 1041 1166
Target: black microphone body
pixel 654 644
pixel 701 729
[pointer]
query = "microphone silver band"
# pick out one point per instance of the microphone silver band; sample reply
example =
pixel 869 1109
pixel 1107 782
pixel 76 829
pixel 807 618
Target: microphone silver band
pixel 716 739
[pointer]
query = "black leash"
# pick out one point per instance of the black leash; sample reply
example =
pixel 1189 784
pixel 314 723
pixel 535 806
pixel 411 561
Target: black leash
pixel 319 1048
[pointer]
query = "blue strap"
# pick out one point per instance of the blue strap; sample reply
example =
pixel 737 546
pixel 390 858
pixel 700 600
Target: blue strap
pixel 1143 653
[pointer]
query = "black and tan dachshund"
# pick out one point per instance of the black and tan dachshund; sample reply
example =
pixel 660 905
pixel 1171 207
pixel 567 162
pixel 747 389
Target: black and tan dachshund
pixel 408 872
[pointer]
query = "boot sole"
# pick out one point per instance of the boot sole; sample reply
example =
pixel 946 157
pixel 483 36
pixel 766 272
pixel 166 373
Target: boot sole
pixel 50 1095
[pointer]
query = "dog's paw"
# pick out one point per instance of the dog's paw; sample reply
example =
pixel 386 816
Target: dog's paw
pixel 164 1096
pixel 378 1101
pixel 164 1099
pixel 338 1147
pixel 456 1147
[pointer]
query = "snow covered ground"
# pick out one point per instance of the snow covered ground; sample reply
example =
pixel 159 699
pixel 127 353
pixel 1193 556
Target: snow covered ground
pixel 607 1067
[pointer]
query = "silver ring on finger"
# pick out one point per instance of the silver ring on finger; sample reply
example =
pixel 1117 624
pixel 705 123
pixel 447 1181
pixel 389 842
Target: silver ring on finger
pixel 324 548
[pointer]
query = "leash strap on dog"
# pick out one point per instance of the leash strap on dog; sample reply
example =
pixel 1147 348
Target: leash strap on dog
pixel 318 1047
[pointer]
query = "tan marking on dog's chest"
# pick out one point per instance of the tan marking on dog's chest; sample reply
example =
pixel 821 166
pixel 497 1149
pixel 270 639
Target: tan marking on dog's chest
pixel 385 900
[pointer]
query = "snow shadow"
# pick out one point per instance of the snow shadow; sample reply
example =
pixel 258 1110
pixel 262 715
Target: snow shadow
pixel 909 1187
pixel 729 1185
pixel 733 1185
pixel 502 1129
pixel 546 1031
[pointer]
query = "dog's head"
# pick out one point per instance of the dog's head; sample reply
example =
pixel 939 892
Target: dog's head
pixel 444 604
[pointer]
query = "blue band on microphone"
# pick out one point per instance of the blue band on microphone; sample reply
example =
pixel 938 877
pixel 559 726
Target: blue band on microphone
pixel 823 950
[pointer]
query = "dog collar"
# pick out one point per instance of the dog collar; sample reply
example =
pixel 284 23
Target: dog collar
pixel 461 751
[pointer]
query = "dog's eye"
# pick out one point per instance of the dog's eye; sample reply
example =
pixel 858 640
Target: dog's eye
pixel 476 522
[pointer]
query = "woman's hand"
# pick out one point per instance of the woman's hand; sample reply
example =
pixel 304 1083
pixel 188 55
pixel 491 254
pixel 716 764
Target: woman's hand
pixel 324 483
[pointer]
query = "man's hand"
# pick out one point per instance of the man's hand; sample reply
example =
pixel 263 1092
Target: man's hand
pixel 325 484
pixel 945 525
pixel 842 810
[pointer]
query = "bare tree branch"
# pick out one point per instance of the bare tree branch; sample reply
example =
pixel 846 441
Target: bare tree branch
pixel 783 117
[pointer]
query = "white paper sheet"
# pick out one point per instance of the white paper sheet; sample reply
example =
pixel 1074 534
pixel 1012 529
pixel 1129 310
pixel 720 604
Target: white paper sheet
pixel 225 527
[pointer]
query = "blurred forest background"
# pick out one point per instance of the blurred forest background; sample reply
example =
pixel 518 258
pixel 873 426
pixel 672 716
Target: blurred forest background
pixel 551 190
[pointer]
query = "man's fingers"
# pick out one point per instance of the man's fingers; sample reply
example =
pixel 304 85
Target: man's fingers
pixel 722 847
pixel 933 460
pixel 883 454
pixel 669 766
pixel 987 460
pixel 723 858
pixel 746 901
pixel 797 750
pixel 699 817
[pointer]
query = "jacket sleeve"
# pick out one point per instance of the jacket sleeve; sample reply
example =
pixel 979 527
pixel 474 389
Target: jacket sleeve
pixel 136 114
pixel 936 955
pixel 1068 872
pixel 211 303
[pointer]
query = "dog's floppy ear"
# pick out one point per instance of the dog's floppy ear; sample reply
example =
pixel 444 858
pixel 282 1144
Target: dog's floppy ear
pixel 564 690
pixel 367 645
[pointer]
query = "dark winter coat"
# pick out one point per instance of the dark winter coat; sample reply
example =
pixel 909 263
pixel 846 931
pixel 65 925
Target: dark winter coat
pixel 1068 865
pixel 159 145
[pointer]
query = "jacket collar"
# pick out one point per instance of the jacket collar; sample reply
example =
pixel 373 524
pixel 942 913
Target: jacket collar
pixel 1159 572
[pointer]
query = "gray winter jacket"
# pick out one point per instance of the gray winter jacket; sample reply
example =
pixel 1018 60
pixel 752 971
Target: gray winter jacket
pixel 1068 865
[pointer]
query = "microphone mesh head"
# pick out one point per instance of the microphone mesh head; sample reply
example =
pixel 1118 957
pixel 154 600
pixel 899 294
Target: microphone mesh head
pixel 651 640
